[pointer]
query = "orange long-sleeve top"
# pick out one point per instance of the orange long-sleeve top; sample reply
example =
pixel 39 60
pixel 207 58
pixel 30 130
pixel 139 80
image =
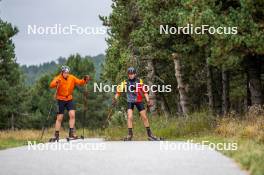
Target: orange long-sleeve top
pixel 65 87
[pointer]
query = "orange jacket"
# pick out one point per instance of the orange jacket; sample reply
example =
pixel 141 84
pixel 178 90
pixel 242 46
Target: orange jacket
pixel 65 86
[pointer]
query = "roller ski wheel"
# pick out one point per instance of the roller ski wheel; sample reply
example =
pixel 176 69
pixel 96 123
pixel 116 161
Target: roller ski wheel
pixel 74 138
pixel 54 139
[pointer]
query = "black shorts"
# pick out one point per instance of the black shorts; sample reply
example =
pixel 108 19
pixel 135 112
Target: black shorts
pixel 139 105
pixel 65 104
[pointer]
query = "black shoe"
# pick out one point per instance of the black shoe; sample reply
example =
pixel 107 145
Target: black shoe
pixel 128 138
pixel 54 139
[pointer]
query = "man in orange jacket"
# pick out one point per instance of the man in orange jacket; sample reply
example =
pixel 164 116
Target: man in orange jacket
pixel 64 84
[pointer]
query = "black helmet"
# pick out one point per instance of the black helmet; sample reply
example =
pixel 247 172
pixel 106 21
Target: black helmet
pixel 65 69
pixel 131 70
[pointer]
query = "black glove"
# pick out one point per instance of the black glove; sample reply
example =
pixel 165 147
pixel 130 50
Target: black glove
pixel 87 78
pixel 58 81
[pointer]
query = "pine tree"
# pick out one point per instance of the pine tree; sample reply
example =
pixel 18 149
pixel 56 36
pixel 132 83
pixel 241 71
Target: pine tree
pixel 12 90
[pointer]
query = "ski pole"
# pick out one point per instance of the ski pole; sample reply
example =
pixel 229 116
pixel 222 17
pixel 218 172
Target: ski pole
pixel 43 127
pixel 47 119
pixel 108 116
pixel 85 92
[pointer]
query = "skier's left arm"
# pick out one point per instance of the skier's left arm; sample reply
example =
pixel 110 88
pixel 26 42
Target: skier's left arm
pixel 145 91
pixel 146 97
pixel 81 82
pixel 149 103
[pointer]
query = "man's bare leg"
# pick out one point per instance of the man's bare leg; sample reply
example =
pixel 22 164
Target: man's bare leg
pixel 72 118
pixel 57 128
pixel 144 118
pixel 129 124
pixel 129 118
pixel 72 123
pixel 58 122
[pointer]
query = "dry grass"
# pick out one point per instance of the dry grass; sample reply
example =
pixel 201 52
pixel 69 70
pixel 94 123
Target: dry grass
pixel 247 128
pixel 24 134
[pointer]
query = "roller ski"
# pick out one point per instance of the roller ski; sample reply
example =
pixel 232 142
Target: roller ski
pixel 128 138
pixel 54 139
pixel 73 136
pixel 154 138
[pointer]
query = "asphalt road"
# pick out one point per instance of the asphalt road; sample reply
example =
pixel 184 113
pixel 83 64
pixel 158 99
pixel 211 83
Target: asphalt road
pixel 98 157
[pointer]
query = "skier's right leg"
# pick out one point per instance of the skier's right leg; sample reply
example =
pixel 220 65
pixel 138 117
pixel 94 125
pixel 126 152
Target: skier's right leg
pixel 57 128
pixel 61 107
pixel 129 125
pixel 130 118
pixel 58 122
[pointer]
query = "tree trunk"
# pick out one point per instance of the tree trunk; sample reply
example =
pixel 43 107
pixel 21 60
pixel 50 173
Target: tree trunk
pixel 150 81
pixel 225 92
pixel 254 78
pixel 164 106
pixel 248 93
pixel 210 88
pixel 182 87
pixel 12 122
